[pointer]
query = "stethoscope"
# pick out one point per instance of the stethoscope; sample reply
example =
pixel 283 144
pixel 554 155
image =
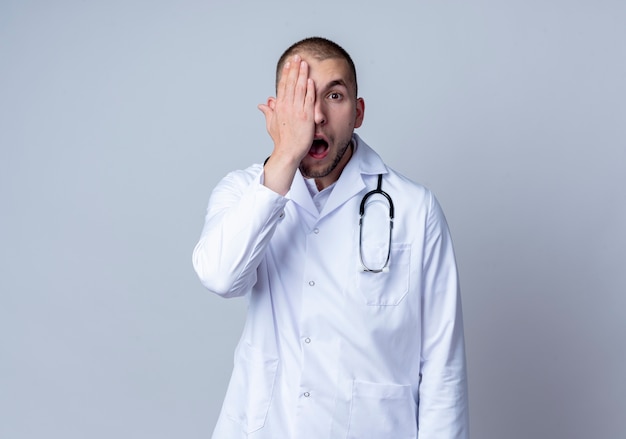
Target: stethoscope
pixel 379 191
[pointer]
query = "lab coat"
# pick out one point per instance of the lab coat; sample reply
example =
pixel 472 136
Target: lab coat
pixel 329 350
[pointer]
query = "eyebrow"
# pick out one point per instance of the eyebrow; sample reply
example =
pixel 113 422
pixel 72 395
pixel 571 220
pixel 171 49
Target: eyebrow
pixel 335 83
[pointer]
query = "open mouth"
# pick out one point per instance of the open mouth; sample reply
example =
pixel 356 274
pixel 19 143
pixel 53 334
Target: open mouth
pixel 319 148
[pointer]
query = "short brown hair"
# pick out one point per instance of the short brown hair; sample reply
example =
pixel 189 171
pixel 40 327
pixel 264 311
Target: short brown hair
pixel 321 49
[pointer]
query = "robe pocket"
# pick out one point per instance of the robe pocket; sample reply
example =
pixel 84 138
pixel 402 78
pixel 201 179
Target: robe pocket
pixel 250 389
pixel 390 286
pixel 382 411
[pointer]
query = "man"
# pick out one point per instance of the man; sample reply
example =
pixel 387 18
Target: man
pixel 353 331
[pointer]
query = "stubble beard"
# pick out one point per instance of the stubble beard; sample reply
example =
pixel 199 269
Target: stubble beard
pixel 307 172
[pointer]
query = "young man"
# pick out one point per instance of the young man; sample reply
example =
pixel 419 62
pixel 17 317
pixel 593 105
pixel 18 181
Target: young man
pixel 354 330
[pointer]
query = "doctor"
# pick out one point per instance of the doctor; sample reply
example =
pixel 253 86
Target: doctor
pixel 351 332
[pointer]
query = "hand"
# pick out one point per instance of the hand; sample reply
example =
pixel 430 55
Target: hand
pixel 290 121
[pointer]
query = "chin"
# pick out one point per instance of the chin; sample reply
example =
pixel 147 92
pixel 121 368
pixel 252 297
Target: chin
pixel 314 171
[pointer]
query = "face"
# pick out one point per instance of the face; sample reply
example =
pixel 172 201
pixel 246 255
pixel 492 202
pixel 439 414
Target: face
pixel 337 113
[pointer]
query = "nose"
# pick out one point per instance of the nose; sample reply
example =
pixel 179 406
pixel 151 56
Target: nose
pixel 320 113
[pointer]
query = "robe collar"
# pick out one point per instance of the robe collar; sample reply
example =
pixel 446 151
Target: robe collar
pixel 364 162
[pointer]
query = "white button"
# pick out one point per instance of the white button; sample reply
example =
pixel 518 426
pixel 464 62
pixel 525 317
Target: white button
pixel 316 230
pixel 307 340
pixel 307 394
pixel 311 283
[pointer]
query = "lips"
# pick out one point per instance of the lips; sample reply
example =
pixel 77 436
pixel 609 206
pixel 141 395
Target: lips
pixel 319 148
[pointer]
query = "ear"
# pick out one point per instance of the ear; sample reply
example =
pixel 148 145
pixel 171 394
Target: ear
pixel 360 112
pixel 271 102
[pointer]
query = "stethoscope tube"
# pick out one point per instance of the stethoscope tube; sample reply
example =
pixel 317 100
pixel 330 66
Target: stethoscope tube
pixel 379 191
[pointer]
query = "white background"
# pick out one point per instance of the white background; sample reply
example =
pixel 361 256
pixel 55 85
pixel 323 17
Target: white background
pixel 118 117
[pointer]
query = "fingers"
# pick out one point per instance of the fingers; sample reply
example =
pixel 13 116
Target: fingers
pixel 292 78
pixel 309 102
pixel 269 107
pixel 290 116
pixel 265 109
pixel 268 112
pixel 300 88
pixel 293 86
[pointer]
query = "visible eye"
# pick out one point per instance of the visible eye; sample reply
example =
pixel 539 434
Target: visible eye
pixel 334 96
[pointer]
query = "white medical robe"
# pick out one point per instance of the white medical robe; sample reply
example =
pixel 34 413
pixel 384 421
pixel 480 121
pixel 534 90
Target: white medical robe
pixel 330 350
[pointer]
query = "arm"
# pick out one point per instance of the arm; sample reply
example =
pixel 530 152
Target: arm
pixel 241 218
pixel 245 207
pixel 443 405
